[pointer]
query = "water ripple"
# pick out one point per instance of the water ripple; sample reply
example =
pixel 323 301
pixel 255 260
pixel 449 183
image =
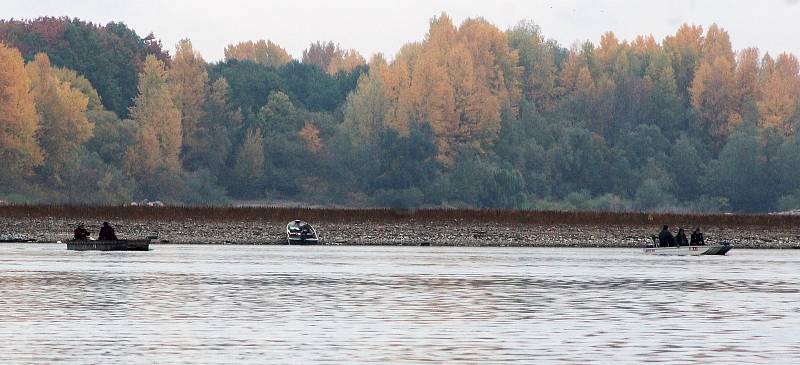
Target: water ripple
pixel 215 304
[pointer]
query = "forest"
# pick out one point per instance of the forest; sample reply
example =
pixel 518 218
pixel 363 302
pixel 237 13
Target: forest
pixel 470 116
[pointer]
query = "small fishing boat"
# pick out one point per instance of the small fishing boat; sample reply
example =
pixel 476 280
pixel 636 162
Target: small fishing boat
pixel 300 233
pixel 720 249
pixel 118 245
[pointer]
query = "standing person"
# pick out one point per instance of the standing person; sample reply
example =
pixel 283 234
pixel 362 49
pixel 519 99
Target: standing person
pixel 681 238
pixel 697 238
pixel 107 233
pixel 665 237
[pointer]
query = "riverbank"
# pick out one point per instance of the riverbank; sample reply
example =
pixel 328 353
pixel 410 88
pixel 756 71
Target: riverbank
pixel 387 227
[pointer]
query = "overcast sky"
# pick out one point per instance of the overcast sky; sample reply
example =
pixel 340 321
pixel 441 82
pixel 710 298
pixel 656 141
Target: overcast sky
pixel 384 26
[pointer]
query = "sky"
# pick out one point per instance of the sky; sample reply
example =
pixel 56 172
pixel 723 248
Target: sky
pixel 372 26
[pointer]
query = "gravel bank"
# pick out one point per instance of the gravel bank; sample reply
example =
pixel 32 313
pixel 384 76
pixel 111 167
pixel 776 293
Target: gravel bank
pixel 439 233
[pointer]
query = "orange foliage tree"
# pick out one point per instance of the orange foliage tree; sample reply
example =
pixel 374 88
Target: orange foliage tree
pixel 19 150
pixel 780 92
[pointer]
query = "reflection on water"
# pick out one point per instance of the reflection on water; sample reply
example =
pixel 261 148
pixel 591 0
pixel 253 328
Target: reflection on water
pixel 223 304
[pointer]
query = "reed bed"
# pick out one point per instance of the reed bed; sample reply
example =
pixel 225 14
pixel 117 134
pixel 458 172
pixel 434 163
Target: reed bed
pixel 382 215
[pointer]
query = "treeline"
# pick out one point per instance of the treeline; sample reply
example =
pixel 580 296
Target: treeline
pixel 471 116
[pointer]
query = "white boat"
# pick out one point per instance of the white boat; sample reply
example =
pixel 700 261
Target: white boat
pixel 720 249
pixel 300 233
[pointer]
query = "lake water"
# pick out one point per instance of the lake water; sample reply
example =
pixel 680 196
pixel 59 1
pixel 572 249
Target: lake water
pixel 286 304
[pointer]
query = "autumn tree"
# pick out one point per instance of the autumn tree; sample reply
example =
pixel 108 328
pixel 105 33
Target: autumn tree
pixel 713 97
pixel 187 79
pixel 346 62
pixel 685 49
pixel 248 170
pixel 713 91
pixel 747 89
pixel 398 88
pixel 158 143
pixel 321 54
pixel 261 52
pixel 366 108
pixel 19 123
pixel 537 59
pixel 717 44
pixel 309 134
pixel 460 81
pixel 82 84
pixel 62 112
pixel 662 105
pixel 109 55
pixel 780 92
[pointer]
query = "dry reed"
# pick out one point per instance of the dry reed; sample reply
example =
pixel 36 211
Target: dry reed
pixel 379 215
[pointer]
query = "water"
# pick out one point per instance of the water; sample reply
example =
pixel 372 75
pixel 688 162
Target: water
pixel 248 304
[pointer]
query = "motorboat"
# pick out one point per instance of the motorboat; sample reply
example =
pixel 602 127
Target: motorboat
pixel 108 245
pixel 118 245
pixel 300 233
pixel 719 249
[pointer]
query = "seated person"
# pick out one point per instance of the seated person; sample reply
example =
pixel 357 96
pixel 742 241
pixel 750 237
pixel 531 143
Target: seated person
pixel 697 238
pixel 680 239
pixel 81 233
pixel 107 233
pixel 665 237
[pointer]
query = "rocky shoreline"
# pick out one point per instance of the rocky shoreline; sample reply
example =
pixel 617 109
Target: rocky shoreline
pixel 398 233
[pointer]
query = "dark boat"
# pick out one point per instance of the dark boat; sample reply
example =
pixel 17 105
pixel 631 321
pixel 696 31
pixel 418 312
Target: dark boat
pixel 118 245
pixel 300 233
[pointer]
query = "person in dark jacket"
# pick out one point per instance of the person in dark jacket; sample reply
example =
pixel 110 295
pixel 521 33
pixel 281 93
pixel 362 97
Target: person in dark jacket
pixel 697 238
pixel 680 238
pixel 80 233
pixel 665 237
pixel 107 233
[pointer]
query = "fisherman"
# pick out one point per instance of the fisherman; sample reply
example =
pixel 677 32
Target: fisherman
pixel 107 233
pixel 680 238
pixel 81 233
pixel 697 238
pixel 305 230
pixel 665 237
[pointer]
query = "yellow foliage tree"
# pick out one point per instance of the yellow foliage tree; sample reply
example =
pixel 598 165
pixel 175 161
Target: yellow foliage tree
pixel 158 143
pixel 187 78
pixel 62 112
pixel 780 92
pixel 345 62
pixel 263 52
pixel 684 49
pixel 459 80
pixel 747 89
pixel 19 149
pixel 81 83
pixel 368 106
pixel 714 97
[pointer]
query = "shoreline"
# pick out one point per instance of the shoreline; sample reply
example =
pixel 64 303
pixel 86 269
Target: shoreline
pixel 409 232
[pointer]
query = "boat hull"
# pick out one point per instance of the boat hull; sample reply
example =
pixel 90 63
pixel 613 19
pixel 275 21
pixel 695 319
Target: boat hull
pixel 715 250
pixel 306 241
pixel 120 245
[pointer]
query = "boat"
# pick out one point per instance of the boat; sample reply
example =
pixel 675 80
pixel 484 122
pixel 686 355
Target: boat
pixel 720 250
pixel 300 233
pixel 118 245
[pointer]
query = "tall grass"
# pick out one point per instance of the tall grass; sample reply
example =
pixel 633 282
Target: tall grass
pixel 377 215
